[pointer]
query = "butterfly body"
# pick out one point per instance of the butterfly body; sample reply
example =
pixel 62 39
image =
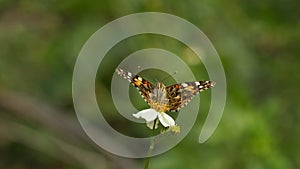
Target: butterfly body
pixel 158 98
pixel 163 98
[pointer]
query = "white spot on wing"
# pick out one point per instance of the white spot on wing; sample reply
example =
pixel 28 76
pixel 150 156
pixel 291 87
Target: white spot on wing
pixel 184 84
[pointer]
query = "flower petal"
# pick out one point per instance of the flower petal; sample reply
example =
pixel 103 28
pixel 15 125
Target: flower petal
pixel 166 120
pixel 147 114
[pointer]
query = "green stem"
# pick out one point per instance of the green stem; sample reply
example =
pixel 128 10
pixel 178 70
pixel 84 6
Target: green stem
pixel 152 143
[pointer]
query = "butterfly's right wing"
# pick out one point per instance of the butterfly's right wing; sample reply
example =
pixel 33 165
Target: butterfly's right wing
pixel 181 94
pixel 144 86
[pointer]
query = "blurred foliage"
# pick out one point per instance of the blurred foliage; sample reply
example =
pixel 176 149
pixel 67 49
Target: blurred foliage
pixel 258 42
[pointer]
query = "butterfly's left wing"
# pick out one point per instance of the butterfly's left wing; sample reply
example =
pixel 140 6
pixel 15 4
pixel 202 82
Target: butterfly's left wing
pixel 180 95
pixel 144 86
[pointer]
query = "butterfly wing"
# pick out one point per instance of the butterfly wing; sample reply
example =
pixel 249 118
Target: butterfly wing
pixel 180 95
pixel 144 86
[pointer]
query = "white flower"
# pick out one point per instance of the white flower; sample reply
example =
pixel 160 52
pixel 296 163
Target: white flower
pixel 150 115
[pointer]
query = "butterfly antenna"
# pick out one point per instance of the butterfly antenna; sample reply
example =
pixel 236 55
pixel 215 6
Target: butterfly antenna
pixel 169 76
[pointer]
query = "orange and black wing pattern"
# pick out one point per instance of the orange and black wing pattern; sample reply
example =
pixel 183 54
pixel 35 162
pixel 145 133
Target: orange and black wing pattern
pixel 180 95
pixel 144 86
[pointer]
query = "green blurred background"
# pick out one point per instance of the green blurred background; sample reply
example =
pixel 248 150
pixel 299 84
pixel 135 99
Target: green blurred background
pixel 258 43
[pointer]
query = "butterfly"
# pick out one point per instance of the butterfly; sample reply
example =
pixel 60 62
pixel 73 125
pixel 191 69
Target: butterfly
pixel 163 98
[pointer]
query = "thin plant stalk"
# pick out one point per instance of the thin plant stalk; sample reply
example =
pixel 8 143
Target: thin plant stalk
pixel 151 147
